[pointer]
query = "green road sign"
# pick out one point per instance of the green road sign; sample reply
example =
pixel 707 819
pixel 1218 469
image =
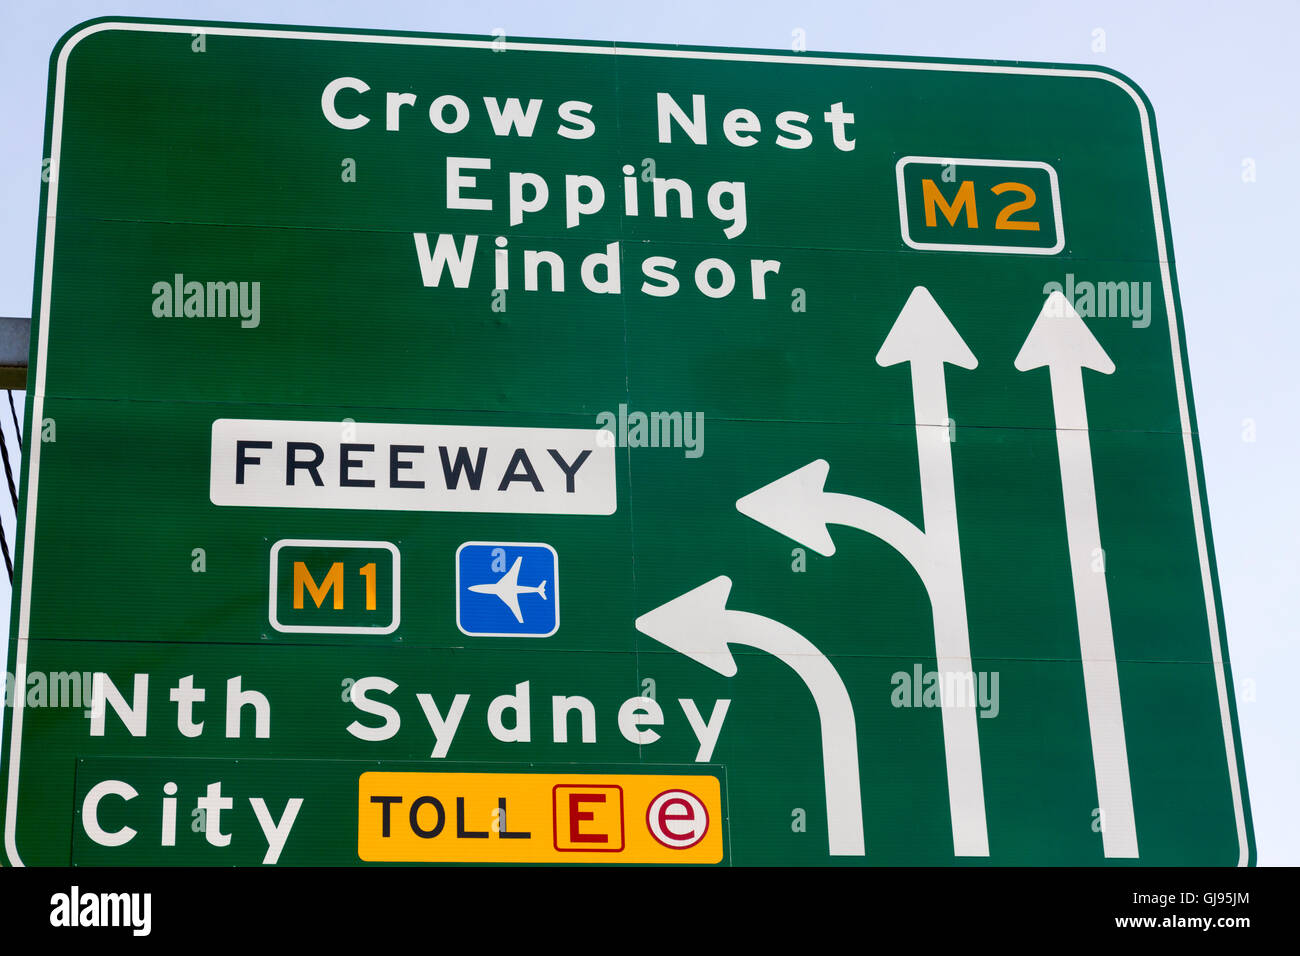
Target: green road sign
pixel 839 403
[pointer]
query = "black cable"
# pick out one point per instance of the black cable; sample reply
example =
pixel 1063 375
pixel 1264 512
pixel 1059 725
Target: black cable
pixel 18 430
pixel 4 546
pixel 9 474
pixel 13 493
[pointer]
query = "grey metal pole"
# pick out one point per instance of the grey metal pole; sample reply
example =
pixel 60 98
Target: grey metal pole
pixel 15 337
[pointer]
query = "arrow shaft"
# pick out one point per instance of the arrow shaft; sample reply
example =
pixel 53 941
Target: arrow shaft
pixel 929 393
pixel 943 583
pixel 941 571
pixel 961 743
pixel 1092 608
pixel 887 525
pixel 834 710
pixel 934 454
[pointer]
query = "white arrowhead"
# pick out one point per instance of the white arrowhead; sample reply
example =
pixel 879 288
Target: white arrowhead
pixel 792 506
pixel 695 625
pixel 699 625
pixel 1060 338
pixel 923 332
pixel 1062 341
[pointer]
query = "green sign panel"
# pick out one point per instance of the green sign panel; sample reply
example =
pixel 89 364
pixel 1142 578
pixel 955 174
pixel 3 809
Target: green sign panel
pixel 477 450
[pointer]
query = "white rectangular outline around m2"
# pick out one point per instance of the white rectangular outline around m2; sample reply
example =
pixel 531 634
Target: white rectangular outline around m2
pixel 272 612
pixel 961 246
pixel 806 59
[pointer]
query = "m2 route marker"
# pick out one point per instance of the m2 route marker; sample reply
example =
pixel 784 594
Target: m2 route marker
pixel 434 442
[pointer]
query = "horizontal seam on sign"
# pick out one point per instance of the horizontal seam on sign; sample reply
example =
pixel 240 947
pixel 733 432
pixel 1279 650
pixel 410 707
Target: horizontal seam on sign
pixel 599 237
pixel 736 650
pixel 406 409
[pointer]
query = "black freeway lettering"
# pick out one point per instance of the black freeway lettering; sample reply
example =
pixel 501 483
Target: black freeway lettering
pixel 306 461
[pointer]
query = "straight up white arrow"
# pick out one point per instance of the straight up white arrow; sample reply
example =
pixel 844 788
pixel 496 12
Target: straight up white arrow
pixel 799 507
pixel 924 337
pixel 699 625
pixel 1061 341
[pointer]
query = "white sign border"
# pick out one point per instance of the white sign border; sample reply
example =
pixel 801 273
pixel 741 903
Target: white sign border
pixel 272 611
pixel 806 59
pixel 920 246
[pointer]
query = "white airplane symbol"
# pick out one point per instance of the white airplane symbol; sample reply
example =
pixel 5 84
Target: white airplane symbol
pixel 508 589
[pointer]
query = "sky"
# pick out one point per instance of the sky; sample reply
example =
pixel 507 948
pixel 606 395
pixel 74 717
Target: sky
pixel 1222 79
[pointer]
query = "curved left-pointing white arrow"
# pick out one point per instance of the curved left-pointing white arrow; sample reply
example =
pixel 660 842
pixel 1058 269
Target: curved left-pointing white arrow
pixel 699 625
pixel 799 507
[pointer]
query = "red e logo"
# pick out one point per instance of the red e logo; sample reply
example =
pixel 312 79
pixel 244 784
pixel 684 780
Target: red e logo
pixel 677 819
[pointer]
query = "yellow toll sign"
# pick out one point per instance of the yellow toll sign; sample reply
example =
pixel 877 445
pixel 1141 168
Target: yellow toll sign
pixel 538 818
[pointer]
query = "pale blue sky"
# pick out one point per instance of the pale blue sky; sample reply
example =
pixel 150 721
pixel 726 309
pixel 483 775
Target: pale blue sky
pixel 1222 80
